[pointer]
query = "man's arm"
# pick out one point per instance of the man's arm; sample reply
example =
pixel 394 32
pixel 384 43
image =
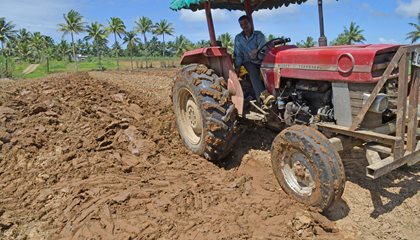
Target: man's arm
pixel 260 39
pixel 237 54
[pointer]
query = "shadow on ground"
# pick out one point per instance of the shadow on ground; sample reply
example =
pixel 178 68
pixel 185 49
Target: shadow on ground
pixel 387 192
pixel 252 137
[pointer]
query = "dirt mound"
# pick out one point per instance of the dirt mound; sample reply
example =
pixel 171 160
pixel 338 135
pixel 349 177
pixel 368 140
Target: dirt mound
pixel 85 156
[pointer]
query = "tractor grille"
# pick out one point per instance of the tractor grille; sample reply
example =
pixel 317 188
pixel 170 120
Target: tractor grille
pixel 381 62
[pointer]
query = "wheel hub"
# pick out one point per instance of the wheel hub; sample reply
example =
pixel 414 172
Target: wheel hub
pixel 190 117
pixel 297 175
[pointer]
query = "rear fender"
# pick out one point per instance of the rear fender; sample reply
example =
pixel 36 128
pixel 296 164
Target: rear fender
pixel 218 59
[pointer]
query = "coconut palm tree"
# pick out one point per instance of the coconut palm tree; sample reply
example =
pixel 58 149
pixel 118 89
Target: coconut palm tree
pixel 98 35
pixel 24 35
pixel 117 27
pixel 23 44
pixel 227 42
pixel 131 39
pixel 73 24
pixel 307 44
pixel 181 45
pixel 353 34
pixel 161 28
pixel 7 33
pixel 37 45
pixel 82 47
pixel 340 40
pixel 414 36
pixel 202 44
pixel 24 49
pixel 63 49
pixel 144 25
pixel 47 49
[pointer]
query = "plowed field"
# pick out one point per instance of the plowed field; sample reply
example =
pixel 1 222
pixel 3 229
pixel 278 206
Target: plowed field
pixel 98 156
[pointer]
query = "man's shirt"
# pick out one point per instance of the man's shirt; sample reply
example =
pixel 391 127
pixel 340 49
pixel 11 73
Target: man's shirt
pixel 244 46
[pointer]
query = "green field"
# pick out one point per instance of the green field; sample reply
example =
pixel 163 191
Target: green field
pixel 107 63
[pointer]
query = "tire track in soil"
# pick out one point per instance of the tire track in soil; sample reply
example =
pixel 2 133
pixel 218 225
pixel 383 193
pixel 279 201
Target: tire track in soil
pixel 99 156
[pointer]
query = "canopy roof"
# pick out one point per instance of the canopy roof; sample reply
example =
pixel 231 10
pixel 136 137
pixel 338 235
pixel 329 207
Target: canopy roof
pixel 231 4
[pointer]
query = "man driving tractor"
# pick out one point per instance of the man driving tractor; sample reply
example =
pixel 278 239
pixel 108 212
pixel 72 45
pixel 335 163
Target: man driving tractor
pixel 246 47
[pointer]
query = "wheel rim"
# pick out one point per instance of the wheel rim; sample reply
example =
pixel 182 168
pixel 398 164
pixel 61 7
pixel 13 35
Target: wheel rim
pixel 297 173
pixel 191 123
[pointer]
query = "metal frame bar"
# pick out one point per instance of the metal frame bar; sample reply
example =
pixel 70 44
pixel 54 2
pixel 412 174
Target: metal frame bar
pixel 210 24
pixel 401 105
pixel 412 112
pixel 382 167
pixel 322 40
pixel 360 134
pixel 249 10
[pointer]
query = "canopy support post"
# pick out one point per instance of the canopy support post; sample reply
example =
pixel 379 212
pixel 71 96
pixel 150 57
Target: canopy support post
pixel 249 11
pixel 210 24
pixel 322 40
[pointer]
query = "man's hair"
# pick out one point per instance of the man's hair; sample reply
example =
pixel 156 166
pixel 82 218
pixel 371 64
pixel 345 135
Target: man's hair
pixel 243 17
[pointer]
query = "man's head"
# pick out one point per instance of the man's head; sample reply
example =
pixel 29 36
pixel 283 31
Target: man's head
pixel 245 24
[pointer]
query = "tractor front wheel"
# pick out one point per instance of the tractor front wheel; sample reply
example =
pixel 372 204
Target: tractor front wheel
pixel 205 114
pixel 307 166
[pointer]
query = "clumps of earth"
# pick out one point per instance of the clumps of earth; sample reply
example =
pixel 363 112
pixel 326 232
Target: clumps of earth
pixel 98 156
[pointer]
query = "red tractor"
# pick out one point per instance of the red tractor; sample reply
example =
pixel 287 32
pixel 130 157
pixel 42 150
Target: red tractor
pixel 324 100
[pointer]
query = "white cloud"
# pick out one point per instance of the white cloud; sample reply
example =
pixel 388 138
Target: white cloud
pixel 200 16
pixel 37 16
pixel 266 13
pixel 387 41
pixel 408 9
pixel 291 9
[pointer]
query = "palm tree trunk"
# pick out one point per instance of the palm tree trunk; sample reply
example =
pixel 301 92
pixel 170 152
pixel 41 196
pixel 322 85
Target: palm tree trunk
pixel 74 52
pixel 100 60
pixel 4 54
pixel 99 55
pixel 48 66
pixel 145 39
pixel 163 50
pixel 116 51
pixel 131 59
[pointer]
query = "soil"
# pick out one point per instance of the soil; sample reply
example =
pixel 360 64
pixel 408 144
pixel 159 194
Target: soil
pixel 97 156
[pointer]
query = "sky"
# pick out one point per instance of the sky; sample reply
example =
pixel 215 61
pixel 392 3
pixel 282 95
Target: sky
pixel 383 21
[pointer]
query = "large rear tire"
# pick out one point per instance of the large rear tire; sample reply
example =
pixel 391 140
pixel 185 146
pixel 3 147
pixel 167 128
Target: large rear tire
pixel 205 114
pixel 308 167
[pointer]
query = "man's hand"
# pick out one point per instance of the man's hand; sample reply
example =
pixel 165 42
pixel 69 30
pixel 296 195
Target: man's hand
pixel 253 53
pixel 237 70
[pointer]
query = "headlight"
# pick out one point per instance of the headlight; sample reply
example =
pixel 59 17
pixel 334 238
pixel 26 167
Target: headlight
pixel 379 105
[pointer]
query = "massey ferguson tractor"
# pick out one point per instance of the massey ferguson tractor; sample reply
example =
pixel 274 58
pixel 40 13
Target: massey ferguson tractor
pixel 323 99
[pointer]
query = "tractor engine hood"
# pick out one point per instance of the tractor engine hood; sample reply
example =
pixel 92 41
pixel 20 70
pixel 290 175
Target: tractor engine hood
pixel 352 63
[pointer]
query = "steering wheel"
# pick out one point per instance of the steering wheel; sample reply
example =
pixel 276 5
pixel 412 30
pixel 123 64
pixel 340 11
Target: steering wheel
pixel 271 44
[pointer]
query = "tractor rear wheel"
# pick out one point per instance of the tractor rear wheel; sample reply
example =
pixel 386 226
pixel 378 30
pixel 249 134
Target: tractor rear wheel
pixel 307 166
pixel 205 114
